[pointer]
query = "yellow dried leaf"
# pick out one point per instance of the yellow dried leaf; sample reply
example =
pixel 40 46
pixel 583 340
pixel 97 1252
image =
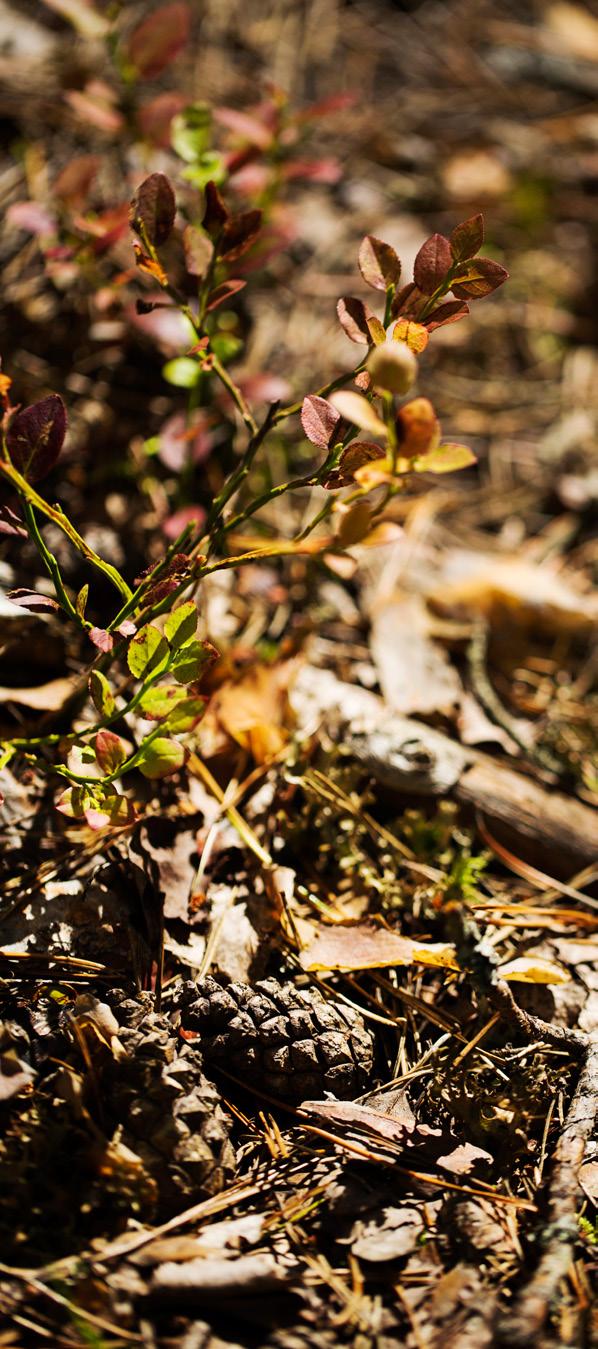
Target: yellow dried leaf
pixel 414 334
pixel 533 970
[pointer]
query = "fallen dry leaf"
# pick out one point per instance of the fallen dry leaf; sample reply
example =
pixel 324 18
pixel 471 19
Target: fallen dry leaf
pixel 364 946
pixel 533 970
pixel 415 673
pixel 254 710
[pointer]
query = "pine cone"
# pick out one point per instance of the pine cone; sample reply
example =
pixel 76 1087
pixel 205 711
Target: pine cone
pixel 292 1043
pixel 170 1112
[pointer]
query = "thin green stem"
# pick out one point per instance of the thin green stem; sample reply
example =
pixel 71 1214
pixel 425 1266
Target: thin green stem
pixel 334 384
pixel 237 478
pixel 51 565
pixel 58 517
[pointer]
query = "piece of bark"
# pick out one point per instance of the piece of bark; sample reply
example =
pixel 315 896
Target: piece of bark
pixel 408 757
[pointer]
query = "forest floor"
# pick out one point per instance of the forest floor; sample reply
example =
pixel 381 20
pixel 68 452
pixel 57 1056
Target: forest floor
pixel 385 836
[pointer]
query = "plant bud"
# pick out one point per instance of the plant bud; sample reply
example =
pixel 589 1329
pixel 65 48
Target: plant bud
pixel 393 367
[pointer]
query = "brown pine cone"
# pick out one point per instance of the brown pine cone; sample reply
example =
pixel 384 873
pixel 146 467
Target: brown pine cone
pixel 170 1112
pixel 294 1044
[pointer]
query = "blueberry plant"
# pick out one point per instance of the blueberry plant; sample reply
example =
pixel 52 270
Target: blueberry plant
pixel 143 680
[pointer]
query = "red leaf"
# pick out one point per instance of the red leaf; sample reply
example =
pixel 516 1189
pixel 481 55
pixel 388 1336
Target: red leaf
pixel 319 420
pixel 216 212
pixel 238 235
pixel 159 38
pixel 153 209
pixel 353 316
pixel 110 751
pixel 245 126
pixel 406 301
pixel 35 437
pixel 358 453
pixel 467 238
pixel 94 104
pixel 102 639
pixel 30 216
pixel 155 117
pixel 75 180
pixel 224 292
pixel 378 263
pixel 478 278
pixel 188 515
pixel 450 312
pixel 432 263
pixel 325 170
pixel 325 106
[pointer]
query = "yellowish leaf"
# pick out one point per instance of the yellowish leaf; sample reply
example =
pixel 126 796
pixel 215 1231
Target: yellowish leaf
pixel 414 334
pixel 533 970
pixel 445 459
pixel 357 410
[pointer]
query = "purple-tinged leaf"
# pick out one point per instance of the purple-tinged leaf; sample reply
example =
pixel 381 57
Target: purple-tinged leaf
pixel 478 277
pixel 35 437
pixel 159 38
pixel 432 263
pixel 153 209
pixel 216 212
pixel 239 232
pixel 319 420
pixel 353 316
pixel 127 628
pixel 467 238
pixel 28 599
pixel 11 523
pixel 378 263
pixel 102 639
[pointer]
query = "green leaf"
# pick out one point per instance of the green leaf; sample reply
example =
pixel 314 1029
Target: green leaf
pixel 81 601
pixel 191 660
pixel 161 757
pixel 209 168
pixel 181 624
pixel 182 372
pixel 185 715
pixel 445 459
pixel 101 694
pixel 110 751
pixel 159 702
pixel 190 132
pixel 148 651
